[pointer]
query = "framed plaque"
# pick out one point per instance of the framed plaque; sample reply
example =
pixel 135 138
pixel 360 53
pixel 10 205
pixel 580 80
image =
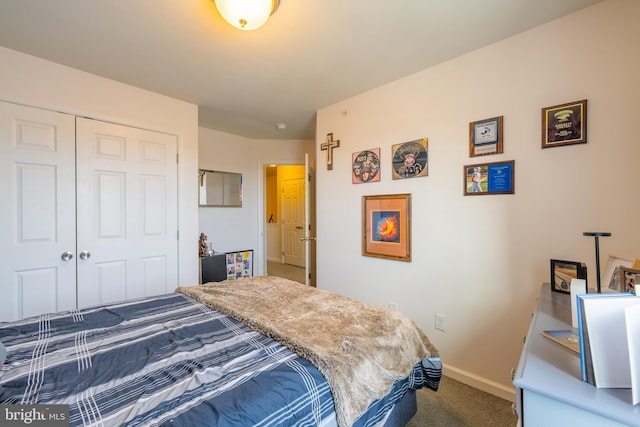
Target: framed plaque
pixel 564 124
pixel 485 137
pixel 489 178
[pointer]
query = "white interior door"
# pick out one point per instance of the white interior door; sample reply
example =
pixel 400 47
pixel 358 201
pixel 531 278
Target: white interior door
pixel 37 213
pixel 293 205
pixel 127 212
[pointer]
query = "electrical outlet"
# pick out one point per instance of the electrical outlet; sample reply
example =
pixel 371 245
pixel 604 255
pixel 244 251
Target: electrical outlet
pixel 441 322
pixel 393 305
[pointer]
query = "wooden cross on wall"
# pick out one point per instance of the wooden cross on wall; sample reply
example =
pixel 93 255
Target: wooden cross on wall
pixel 328 147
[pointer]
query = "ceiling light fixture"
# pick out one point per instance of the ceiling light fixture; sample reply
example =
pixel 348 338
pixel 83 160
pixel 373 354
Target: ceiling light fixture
pixel 246 14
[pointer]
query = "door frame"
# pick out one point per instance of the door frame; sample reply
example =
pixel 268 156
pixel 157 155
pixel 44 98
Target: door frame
pixel 262 233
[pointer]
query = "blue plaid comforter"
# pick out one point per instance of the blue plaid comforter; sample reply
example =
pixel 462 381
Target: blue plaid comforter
pixel 167 359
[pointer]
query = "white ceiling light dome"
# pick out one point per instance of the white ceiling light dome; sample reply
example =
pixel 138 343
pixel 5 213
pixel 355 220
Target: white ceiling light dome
pixel 246 14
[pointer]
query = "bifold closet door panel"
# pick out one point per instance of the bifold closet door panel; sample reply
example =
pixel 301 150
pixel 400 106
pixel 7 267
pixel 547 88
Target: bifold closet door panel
pixel 37 213
pixel 127 212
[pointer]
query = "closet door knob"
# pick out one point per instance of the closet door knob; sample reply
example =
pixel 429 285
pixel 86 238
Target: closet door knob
pixel 66 256
pixel 85 255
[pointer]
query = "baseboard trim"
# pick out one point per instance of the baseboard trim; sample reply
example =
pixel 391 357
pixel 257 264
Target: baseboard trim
pixel 491 387
pixel 277 260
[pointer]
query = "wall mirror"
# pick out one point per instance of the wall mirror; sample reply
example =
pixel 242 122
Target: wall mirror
pixel 221 189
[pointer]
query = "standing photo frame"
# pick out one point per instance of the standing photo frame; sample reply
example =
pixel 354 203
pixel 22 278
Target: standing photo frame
pixel 562 272
pixel 239 264
pixel 629 278
pixel 386 226
pixel 564 124
pixel 610 276
pixel 489 178
pixel 485 137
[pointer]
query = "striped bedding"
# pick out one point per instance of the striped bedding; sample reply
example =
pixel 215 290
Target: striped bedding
pixel 169 360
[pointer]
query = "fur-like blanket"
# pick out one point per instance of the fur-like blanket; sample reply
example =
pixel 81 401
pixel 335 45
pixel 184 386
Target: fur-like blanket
pixel 361 349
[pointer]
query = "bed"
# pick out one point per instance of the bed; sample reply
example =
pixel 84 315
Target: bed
pixel 258 351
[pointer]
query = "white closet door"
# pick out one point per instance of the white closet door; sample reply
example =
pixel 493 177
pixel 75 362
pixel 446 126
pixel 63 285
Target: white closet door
pixel 127 212
pixel 37 212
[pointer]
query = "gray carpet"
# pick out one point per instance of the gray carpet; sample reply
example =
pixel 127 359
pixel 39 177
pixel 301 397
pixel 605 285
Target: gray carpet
pixel 458 405
pixel 286 271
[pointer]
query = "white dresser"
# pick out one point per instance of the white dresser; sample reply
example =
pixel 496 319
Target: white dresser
pixel 549 389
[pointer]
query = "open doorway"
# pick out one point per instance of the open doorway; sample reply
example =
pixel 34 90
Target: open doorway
pixel 285 209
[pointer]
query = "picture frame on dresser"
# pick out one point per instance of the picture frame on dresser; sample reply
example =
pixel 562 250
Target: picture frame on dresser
pixel 629 277
pixel 610 275
pixel 562 272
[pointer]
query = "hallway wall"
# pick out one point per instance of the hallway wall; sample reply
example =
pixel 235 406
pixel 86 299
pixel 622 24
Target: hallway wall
pixel 231 229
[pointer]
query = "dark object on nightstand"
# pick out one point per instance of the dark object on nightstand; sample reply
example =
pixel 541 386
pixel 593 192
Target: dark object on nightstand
pixel 214 268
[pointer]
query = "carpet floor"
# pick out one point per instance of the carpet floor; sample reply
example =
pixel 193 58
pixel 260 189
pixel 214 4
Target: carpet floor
pixel 458 405
pixel 286 271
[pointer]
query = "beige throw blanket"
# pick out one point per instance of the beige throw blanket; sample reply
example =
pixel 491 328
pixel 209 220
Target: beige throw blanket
pixel 361 349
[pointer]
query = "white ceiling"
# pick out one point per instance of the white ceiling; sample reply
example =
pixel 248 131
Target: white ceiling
pixel 310 54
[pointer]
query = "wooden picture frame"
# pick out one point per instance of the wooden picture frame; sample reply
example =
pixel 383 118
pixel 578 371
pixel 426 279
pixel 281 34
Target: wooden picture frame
pixel 610 276
pixel 485 137
pixel 386 226
pixel 489 178
pixel 629 277
pixel 563 271
pixel 564 124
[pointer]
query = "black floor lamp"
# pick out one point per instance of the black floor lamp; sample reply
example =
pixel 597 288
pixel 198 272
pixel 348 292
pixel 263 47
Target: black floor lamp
pixel 597 235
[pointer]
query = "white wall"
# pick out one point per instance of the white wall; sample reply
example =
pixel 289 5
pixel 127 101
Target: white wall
pixel 481 260
pixel 35 82
pixel 274 242
pixel 231 229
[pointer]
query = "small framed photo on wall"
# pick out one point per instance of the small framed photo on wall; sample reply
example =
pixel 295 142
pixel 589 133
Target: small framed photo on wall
pixel 485 137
